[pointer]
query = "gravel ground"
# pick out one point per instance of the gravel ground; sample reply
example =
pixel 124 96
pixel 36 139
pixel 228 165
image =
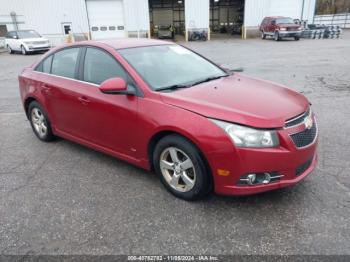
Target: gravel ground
pixel 62 198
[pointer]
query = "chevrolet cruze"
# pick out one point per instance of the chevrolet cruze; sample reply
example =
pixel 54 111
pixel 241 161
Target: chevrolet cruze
pixel 165 108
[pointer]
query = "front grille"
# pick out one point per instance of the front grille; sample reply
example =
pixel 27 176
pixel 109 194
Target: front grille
pixel 40 43
pixel 298 119
pixel 302 168
pixel 305 137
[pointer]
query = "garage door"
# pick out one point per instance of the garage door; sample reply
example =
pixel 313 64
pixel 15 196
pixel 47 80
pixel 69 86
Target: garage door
pixel 290 8
pixel 106 18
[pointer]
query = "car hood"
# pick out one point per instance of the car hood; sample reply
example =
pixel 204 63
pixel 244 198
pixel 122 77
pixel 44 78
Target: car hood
pixel 241 99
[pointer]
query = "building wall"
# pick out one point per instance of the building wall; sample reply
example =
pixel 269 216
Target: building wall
pixel 137 19
pixel 256 10
pixel 47 16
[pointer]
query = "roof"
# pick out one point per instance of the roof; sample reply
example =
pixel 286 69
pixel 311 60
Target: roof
pixel 132 42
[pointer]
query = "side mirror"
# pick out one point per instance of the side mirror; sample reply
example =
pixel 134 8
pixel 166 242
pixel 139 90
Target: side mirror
pixel 114 85
pixel 238 69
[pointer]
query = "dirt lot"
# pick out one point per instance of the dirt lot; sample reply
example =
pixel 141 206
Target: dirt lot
pixel 62 198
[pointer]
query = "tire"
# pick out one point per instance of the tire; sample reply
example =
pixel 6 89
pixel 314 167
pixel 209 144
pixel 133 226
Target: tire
pixel 9 50
pixel 276 36
pixel 185 175
pixel 23 50
pixel 296 38
pixel 263 35
pixel 38 120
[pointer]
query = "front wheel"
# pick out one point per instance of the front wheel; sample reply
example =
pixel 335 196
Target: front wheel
pixel 9 50
pixel 296 38
pixel 181 168
pixel 276 36
pixel 263 35
pixel 23 50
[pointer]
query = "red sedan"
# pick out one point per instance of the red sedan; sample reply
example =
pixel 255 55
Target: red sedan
pixel 165 108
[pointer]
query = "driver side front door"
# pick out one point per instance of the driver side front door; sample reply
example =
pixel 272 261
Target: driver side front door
pixel 107 120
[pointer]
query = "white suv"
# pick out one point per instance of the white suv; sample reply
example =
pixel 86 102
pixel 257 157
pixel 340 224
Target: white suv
pixel 26 41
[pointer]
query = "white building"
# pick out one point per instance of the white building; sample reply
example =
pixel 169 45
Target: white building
pixel 99 19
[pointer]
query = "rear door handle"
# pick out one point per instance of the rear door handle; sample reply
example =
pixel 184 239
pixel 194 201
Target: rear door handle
pixel 83 100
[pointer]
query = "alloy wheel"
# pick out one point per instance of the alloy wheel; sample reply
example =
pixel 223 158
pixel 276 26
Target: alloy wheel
pixel 39 122
pixel 177 169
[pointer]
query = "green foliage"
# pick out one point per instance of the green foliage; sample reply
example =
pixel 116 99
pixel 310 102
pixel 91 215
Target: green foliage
pixel 324 7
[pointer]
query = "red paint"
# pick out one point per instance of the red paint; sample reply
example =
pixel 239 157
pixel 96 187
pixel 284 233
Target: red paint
pixel 268 27
pixel 113 85
pixel 123 125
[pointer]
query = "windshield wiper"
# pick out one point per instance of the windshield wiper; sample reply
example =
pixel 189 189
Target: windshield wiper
pixel 208 79
pixel 173 87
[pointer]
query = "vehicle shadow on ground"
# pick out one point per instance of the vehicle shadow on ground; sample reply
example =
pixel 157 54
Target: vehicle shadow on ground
pixel 153 183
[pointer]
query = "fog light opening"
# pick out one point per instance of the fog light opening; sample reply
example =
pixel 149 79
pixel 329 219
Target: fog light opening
pixel 267 178
pixel 252 179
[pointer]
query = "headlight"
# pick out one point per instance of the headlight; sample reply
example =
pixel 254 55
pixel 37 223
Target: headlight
pixel 248 137
pixel 283 29
pixel 28 42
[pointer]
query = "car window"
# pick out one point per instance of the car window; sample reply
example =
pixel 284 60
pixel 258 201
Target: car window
pixel 27 34
pixel 169 65
pixel 47 65
pixel 100 66
pixel 10 35
pixel 285 20
pixel 64 62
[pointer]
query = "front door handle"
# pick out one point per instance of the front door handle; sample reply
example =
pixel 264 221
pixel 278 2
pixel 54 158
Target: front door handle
pixel 83 100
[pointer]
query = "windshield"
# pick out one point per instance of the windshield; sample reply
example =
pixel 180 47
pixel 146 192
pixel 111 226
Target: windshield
pixel 27 34
pixel 170 65
pixel 284 21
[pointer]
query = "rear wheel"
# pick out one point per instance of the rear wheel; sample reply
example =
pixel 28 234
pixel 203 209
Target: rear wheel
pixel 296 38
pixel 276 36
pixel 40 122
pixel 9 50
pixel 181 168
